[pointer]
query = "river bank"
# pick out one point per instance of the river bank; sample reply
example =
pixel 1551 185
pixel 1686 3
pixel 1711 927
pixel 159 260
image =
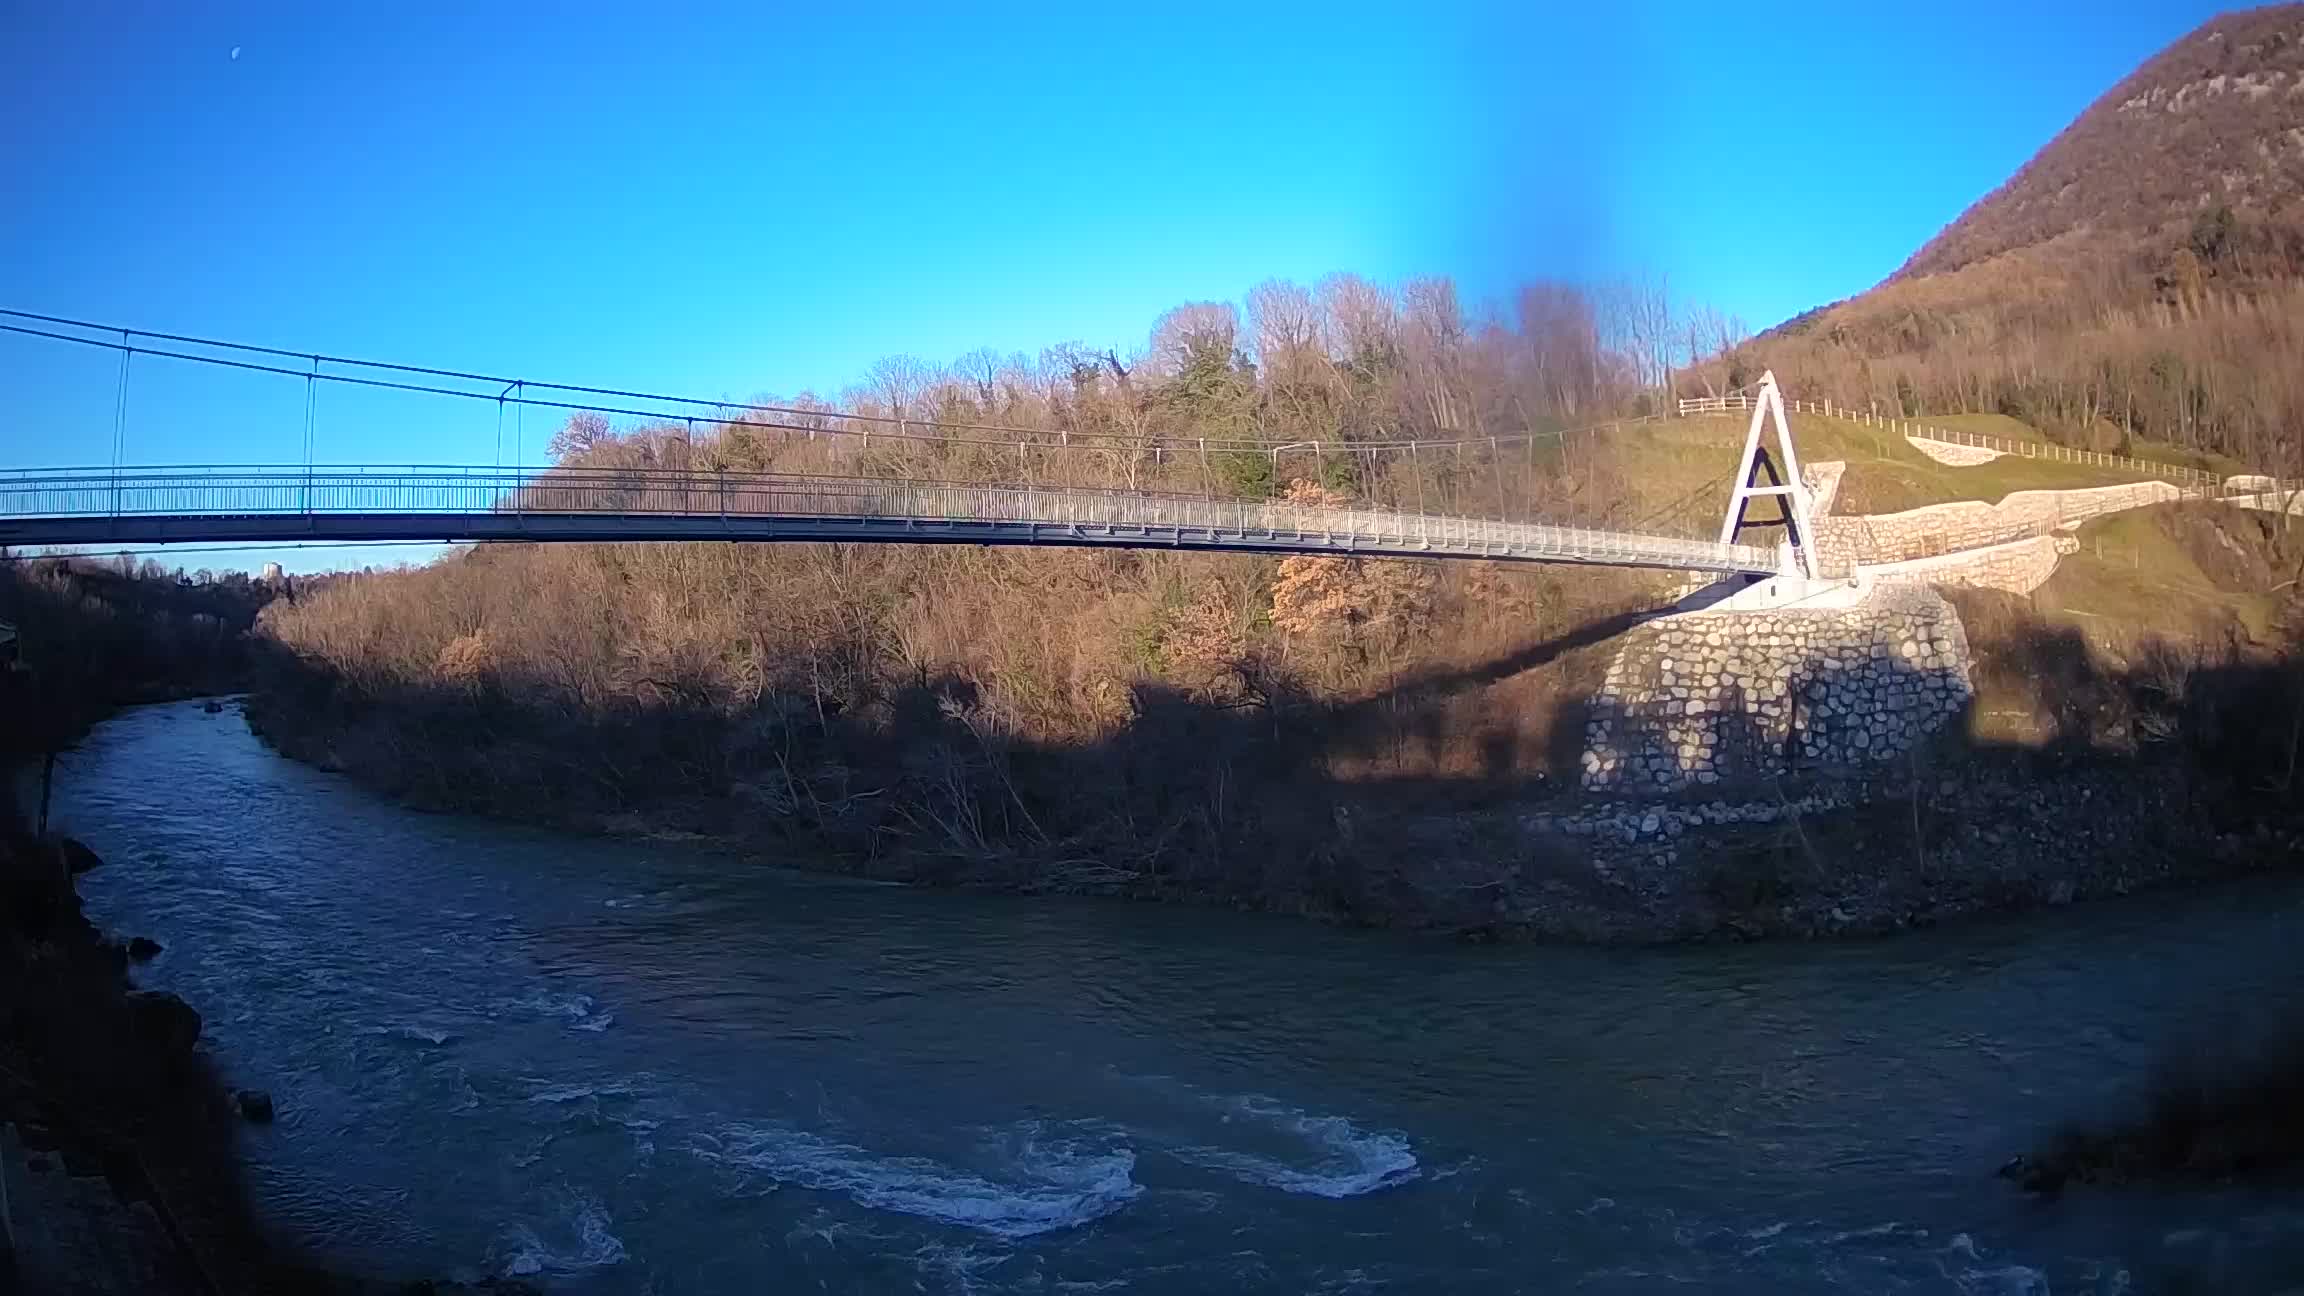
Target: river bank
pixel 121 1170
pixel 1964 831
pixel 1175 729
pixel 120 1148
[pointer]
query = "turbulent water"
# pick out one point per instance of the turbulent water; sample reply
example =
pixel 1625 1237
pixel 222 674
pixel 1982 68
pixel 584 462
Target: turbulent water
pixel 642 1067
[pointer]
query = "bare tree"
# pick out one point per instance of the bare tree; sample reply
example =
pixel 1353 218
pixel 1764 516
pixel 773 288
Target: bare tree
pixel 981 371
pixel 1285 319
pixel 1195 332
pixel 900 382
pixel 1562 339
pixel 584 431
pixel 1298 378
pixel 1643 329
pixel 1362 321
pixel 1432 341
pixel 1713 338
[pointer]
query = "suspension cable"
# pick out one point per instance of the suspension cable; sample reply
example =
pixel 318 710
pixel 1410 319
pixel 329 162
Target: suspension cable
pixel 1007 437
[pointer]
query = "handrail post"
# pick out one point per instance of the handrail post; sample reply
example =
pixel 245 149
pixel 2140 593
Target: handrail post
pixel 311 394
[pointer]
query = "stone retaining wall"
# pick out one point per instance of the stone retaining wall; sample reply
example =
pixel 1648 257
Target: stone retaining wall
pixel 1954 453
pixel 2289 502
pixel 1972 524
pixel 2019 567
pixel 1823 482
pixel 1710 698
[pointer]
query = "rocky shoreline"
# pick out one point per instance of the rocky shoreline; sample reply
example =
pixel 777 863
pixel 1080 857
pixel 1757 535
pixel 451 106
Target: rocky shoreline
pixel 117 1140
pixel 1868 857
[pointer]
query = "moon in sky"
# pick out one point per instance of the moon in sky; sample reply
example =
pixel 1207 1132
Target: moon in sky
pixel 235 53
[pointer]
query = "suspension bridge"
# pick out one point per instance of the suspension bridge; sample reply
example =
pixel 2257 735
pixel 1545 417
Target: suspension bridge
pixel 126 503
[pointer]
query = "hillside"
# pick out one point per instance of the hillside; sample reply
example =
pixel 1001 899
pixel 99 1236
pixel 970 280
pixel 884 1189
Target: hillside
pixel 1686 460
pixel 2141 279
pixel 2214 122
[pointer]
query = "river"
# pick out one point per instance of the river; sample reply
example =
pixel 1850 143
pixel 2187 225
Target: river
pixel 625 1066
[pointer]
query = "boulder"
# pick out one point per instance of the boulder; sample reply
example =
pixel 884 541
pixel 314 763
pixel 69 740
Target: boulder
pixel 142 948
pixel 164 1019
pixel 77 856
pixel 255 1105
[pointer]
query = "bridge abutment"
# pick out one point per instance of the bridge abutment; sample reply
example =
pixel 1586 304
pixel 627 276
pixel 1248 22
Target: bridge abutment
pixel 1723 698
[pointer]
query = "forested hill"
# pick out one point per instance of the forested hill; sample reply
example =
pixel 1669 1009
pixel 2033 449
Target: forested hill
pixel 2141 277
pixel 2212 124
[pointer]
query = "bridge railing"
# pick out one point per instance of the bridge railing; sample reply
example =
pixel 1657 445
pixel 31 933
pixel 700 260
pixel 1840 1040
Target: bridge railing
pixel 227 492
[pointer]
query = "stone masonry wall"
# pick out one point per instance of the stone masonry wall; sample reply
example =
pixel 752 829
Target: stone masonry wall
pixel 1823 482
pixel 2019 567
pixel 1972 524
pixel 1953 452
pixel 1832 542
pixel 1734 697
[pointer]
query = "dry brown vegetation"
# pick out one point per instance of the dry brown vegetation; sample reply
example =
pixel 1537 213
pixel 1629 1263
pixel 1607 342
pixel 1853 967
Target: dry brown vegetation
pixel 1006 715
pixel 1256 730
pixel 2141 279
pixel 1400 398
pixel 1139 720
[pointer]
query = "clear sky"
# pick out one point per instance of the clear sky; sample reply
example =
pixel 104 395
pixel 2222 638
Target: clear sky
pixel 751 198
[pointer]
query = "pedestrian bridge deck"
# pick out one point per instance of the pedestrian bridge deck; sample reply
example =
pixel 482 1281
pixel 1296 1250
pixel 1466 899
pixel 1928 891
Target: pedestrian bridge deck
pixel 102 506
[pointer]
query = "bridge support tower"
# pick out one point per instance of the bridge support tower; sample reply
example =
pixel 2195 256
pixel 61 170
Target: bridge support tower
pixel 1794 507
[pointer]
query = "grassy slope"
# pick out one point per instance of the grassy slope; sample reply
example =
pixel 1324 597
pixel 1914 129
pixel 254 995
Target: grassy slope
pixel 2175 583
pixel 2199 572
pixel 2010 429
pixel 1993 425
pixel 1690 458
pixel 2170 567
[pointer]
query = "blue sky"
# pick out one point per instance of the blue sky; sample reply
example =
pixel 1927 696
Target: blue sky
pixel 744 198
